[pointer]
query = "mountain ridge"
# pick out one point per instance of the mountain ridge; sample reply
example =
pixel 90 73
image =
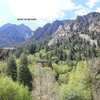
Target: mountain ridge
pixel 87 24
pixel 46 30
pixel 11 34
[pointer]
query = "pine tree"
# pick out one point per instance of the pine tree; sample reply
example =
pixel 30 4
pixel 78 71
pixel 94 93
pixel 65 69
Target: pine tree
pixel 24 75
pixel 32 49
pixel 49 63
pixel 12 68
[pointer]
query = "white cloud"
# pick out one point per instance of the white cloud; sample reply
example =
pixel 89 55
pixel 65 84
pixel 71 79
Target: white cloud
pixel 91 3
pixel 47 10
pixel 81 10
pixel 68 5
pixel 40 9
pixel 3 18
pixel 98 9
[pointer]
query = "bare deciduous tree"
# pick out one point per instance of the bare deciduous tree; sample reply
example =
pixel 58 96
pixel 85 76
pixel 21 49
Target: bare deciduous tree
pixel 44 84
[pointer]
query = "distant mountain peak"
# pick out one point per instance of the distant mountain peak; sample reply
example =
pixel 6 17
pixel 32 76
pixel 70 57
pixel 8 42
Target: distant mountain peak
pixel 46 30
pixel 93 14
pixel 6 25
pixel 11 34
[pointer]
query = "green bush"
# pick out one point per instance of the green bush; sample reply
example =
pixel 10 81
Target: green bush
pixel 10 90
pixel 63 78
pixel 62 69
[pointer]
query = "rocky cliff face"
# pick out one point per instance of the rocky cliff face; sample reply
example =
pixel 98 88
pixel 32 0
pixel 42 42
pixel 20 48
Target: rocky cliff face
pixel 87 25
pixel 47 30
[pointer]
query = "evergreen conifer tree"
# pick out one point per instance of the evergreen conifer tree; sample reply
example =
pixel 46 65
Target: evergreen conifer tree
pixel 12 68
pixel 24 75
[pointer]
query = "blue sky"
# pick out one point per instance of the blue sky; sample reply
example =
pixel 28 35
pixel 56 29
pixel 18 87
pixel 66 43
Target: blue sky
pixel 44 10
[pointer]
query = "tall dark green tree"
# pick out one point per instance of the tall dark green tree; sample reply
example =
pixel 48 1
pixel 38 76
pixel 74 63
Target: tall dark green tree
pixel 18 51
pixel 32 49
pixel 49 63
pixel 24 75
pixel 12 68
